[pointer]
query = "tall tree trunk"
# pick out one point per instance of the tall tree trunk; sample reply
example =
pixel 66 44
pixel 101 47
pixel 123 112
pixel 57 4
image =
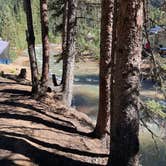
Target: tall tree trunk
pixel 70 53
pixel 31 46
pixel 146 11
pixel 146 19
pixel 64 39
pixel 105 61
pixel 45 44
pixel 125 106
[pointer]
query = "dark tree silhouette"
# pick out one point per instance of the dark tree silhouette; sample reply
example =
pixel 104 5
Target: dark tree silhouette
pixel 64 39
pixel 125 106
pixel 31 46
pixel 67 86
pixel 45 44
pixel 105 60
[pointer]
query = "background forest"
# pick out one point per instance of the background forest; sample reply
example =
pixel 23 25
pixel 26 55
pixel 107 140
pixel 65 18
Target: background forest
pixel 13 24
pixel 12 15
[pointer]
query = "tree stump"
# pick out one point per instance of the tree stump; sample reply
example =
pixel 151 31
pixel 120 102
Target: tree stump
pixel 54 80
pixel 23 74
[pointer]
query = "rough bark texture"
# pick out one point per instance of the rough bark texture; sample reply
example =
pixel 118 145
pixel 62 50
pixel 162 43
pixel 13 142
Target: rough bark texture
pixel 105 61
pixel 125 106
pixel 31 46
pixel 45 44
pixel 146 19
pixel 64 39
pixel 70 53
pixel 146 12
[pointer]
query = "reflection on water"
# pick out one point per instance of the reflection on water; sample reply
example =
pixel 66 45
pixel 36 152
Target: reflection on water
pixel 152 153
pixel 85 99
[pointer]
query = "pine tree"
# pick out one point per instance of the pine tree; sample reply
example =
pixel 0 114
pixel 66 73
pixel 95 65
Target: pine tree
pixel 45 44
pixel 31 47
pixel 70 53
pixel 125 106
pixel 64 39
pixel 105 61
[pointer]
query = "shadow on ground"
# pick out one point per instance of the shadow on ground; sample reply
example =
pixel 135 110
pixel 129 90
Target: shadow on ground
pixel 38 156
pixel 35 149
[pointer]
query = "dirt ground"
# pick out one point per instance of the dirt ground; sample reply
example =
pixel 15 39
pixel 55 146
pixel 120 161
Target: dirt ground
pixel 44 133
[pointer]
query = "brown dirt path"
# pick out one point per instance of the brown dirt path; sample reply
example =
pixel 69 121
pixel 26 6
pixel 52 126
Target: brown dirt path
pixel 44 133
pixel 15 67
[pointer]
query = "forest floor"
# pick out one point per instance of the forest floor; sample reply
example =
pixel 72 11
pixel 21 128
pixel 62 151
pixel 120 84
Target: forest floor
pixel 43 133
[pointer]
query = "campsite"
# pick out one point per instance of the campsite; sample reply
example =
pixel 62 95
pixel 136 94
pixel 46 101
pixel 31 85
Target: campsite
pixel 82 83
pixel 4 52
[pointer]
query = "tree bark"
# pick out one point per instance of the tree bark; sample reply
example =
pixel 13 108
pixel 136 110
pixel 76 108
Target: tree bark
pixel 102 125
pixel 31 46
pixel 125 106
pixel 64 40
pixel 146 11
pixel 45 44
pixel 67 86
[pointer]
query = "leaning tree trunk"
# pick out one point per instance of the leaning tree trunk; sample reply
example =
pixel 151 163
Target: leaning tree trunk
pixel 70 53
pixel 105 61
pixel 31 46
pixel 45 44
pixel 125 107
pixel 64 39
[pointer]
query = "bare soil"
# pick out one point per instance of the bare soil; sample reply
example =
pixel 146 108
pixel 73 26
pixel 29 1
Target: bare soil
pixel 44 133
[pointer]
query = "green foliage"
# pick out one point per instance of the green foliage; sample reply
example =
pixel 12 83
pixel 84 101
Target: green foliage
pixel 13 25
pixel 88 26
pixel 12 21
pixel 88 41
pixel 56 8
pixel 156 108
pixel 13 53
pixel 163 67
pixel 158 15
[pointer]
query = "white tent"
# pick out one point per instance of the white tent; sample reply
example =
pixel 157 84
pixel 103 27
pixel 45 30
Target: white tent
pixel 4 52
pixel 156 30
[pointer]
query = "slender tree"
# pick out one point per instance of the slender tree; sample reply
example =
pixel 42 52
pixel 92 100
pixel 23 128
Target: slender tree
pixel 31 46
pixel 45 44
pixel 67 86
pixel 64 39
pixel 146 14
pixel 125 106
pixel 146 19
pixel 105 61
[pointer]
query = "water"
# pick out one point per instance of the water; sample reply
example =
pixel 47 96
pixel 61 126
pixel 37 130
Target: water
pixel 86 96
pixel 153 153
